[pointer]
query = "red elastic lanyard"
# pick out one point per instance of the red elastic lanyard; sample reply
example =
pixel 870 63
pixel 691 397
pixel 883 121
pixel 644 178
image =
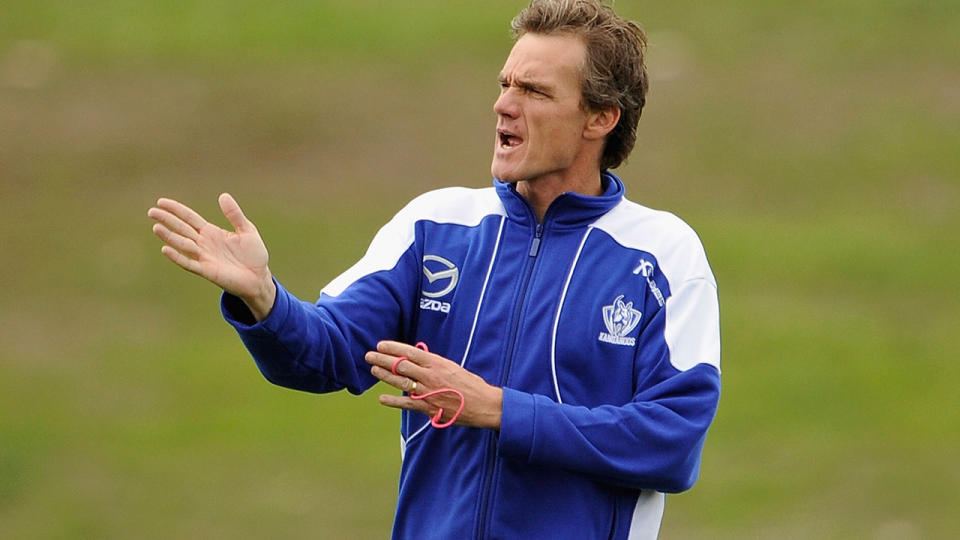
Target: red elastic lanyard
pixel 435 421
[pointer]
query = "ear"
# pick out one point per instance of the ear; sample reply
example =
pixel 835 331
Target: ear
pixel 600 123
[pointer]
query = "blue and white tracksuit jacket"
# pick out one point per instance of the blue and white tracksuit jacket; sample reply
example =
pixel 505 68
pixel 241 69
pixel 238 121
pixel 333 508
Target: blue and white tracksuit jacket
pixel 600 323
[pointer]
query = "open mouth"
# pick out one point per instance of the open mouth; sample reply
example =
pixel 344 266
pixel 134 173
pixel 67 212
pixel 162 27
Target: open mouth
pixel 508 140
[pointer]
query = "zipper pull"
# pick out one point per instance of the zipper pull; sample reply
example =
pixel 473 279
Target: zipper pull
pixel 535 247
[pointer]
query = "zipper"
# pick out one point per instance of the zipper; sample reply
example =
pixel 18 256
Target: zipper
pixel 491 466
pixel 535 246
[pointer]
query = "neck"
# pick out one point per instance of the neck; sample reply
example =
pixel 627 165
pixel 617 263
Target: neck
pixel 540 192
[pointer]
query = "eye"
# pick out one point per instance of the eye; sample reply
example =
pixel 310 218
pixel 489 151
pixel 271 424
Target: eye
pixel 534 90
pixel 538 93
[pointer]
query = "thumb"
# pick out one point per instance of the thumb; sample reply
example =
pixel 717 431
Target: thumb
pixel 233 213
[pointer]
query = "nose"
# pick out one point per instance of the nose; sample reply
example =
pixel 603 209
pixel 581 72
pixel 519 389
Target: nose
pixel 506 104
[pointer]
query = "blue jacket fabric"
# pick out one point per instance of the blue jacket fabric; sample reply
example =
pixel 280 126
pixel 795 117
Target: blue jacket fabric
pixel 600 323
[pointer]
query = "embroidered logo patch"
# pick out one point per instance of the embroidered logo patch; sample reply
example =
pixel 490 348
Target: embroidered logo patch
pixel 620 319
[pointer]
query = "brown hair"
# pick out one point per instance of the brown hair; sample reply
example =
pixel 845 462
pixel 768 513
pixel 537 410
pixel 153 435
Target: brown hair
pixel 614 74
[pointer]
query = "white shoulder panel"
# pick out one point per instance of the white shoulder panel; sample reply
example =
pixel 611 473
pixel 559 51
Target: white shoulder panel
pixel 692 328
pixel 455 205
pixel 675 245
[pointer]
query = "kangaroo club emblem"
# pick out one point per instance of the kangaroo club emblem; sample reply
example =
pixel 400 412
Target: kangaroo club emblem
pixel 620 319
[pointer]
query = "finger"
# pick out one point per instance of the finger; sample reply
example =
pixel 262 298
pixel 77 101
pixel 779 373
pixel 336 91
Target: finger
pixel 181 260
pixel 183 212
pixel 405 367
pixel 403 402
pixel 172 222
pixel 231 210
pixel 405 384
pixel 414 354
pixel 176 241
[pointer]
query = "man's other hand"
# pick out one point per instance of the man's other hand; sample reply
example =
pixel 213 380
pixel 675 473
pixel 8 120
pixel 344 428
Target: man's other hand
pixel 423 372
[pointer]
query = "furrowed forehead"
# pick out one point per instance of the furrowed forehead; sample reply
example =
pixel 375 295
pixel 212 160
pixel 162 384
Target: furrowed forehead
pixel 542 59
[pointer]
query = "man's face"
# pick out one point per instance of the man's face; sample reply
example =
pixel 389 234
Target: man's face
pixel 540 121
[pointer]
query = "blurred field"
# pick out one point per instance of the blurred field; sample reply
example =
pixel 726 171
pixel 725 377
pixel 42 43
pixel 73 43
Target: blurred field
pixel 816 148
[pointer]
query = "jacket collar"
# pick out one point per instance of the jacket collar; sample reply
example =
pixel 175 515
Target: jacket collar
pixel 568 209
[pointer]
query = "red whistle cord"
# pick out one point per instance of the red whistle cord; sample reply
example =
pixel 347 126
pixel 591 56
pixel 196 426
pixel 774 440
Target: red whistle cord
pixel 435 421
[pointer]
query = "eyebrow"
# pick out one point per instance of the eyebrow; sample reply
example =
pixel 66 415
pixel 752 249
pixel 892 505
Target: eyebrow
pixel 527 84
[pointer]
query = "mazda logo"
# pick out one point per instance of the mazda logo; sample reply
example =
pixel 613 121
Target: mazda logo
pixel 442 270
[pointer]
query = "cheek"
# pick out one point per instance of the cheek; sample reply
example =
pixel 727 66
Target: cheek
pixel 559 137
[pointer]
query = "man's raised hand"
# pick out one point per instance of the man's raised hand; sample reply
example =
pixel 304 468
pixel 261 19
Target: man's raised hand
pixel 235 261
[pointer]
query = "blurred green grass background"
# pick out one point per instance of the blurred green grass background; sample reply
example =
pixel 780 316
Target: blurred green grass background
pixel 814 146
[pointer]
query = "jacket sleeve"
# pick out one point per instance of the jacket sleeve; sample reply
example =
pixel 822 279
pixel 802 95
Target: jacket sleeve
pixel 655 440
pixel 320 347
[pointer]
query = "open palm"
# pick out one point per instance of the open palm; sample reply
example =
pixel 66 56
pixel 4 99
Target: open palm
pixel 234 260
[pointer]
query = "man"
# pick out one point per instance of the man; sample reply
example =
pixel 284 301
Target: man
pixel 573 335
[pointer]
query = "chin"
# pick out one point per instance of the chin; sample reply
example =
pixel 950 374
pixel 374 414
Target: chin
pixel 508 166
pixel 502 173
